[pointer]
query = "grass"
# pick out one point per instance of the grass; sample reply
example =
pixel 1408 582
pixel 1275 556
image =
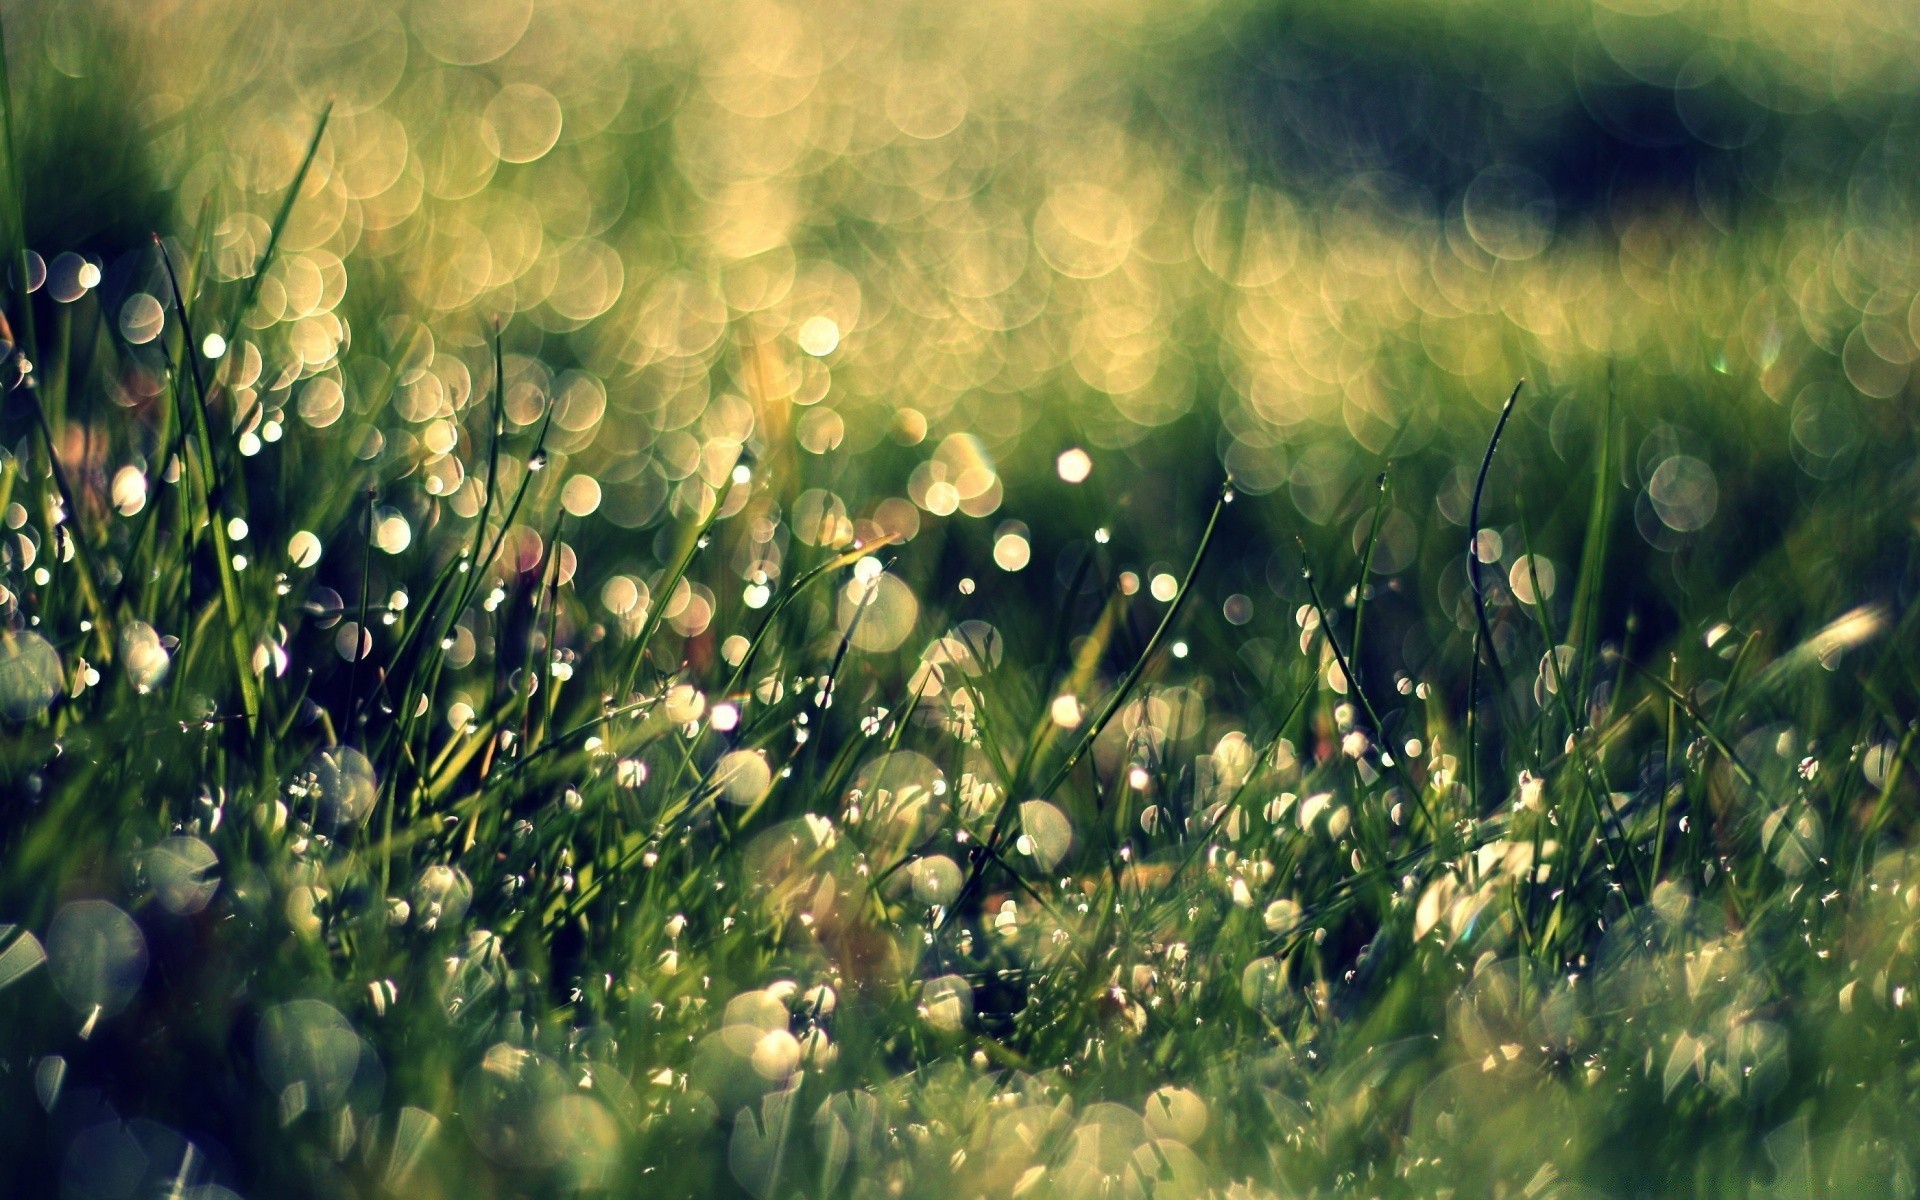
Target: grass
pixel 405 795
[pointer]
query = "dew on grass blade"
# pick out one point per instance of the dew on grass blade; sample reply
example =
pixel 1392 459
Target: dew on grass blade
pixel 30 674
pixel 1264 985
pixel 1065 711
pixel 303 549
pixel 1012 550
pixel 144 656
pixel 441 896
pixel 36 272
pixel 49 1078
pixel 776 1055
pixel 1532 579
pixel 1851 629
pixel 1045 833
pixel 756 1151
pixel 351 641
pixel 748 1019
pixel 1099 1153
pixel 626 597
pixel 413 1130
pixel 742 777
pixel 902 788
pixel 684 704
pixel 935 879
pixel 181 871
pixel 128 490
pixel 1684 492
pixel 1282 916
pixel 819 336
pixel 1176 1113
pixel 878 614
pixel 21 956
pixel 322 401
pixel 337 785
pixel 141 319
pixel 581 496
pixel 820 430
pixel 67 277
pixel 97 957
pixel 1877 763
pixel 391 531
pixel 946 1003
pixel 308 1055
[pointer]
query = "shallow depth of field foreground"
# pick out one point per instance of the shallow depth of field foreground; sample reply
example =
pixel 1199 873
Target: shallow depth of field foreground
pixel 1100 599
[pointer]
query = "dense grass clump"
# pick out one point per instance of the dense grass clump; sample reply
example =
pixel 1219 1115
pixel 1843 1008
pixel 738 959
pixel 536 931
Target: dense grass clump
pixel 1006 685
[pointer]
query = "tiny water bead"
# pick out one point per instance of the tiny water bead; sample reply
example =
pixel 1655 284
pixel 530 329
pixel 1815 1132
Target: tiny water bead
pixel 935 880
pixel 97 957
pixel 128 491
pixel 141 319
pixel 1045 833
pixel 144 656
pixel 336 785
pixel 819 336
pixel 182 871
pixel 946 1003
pixel 309 1055
pixel 743 777
pixel 605 929
pixel 1011 549
pixel 30 674
pixel 441 896
pixel 581 496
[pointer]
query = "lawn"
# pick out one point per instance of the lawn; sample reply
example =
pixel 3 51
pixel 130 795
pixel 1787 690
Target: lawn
pixel 1254 599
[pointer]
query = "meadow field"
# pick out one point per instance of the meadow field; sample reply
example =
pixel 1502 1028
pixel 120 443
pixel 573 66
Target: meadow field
pixel 1244 599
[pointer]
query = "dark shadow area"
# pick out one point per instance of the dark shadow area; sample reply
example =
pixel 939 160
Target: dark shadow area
pixel 1312 95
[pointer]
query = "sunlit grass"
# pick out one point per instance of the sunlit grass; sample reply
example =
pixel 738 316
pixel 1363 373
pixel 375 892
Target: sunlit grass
pixel 712 602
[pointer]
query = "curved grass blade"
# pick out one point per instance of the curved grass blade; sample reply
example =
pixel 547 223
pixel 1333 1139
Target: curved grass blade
pixel 213 497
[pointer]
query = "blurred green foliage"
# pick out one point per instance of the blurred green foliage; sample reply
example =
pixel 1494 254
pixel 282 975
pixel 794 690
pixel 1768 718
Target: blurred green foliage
pixel 874 600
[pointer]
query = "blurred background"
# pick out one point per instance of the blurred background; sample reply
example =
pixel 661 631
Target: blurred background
pixel 1290 241
pixel 1020 286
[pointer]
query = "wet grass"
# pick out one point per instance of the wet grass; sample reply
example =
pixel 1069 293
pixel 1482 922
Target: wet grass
pixel 1515 802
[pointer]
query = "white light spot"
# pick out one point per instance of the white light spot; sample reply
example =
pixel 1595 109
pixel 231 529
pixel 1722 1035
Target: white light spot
pixel 1065 711
pixel 819 336
pixel 304 549
pixel 581 496
pixel 1011 552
